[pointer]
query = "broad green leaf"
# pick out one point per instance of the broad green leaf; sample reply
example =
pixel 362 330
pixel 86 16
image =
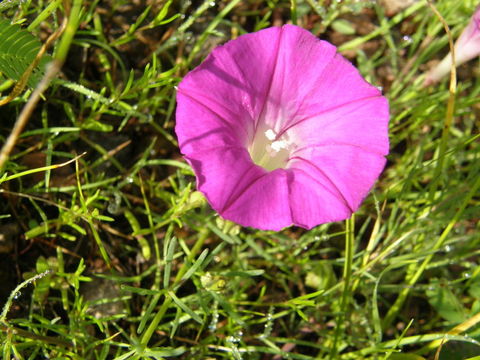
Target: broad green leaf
pixel 445 303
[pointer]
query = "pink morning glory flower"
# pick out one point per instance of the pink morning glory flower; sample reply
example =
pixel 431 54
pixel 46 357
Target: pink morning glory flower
pixel 281 130
pixel 467 47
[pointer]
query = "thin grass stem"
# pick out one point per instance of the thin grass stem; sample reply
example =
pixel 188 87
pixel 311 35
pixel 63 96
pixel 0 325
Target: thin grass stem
pixel 346 294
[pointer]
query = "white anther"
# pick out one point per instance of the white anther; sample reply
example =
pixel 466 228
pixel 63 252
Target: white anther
pixel 270 134
pixel 279 145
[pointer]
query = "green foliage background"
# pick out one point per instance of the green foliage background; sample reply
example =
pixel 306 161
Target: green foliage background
pixel 126 260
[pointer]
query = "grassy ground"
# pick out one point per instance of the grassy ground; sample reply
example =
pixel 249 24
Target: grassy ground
pixel 130 261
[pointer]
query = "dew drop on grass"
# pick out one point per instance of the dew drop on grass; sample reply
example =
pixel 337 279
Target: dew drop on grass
pixel 114 205
pixel 213 324
pixel 267 331
pixel 17 295
pixel 232 341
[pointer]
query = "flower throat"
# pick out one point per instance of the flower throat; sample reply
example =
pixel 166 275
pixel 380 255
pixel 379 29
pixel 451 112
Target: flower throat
pixel 269 151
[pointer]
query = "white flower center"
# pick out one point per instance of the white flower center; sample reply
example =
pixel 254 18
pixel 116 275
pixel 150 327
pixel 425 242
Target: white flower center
pixel 270 151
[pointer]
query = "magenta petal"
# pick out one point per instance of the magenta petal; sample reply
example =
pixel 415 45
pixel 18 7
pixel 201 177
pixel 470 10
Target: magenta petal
pixel 348 172
pixel 222 175
pixel 300 64
pixel 359 123
pixel 263 203
pixel 212 132
pixel 340 85
pixel 233 82
pixel 238 195
pixel 313 197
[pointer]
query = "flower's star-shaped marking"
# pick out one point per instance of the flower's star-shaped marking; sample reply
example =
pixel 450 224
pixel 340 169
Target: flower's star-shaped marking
pixel 280 129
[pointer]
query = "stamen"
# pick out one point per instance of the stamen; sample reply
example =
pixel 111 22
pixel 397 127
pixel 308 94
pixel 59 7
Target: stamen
pixel 270 134
pixel 279 145
pixel 270 151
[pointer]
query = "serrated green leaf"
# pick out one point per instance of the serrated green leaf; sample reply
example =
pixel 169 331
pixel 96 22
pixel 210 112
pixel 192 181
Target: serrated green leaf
pixel 18 50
